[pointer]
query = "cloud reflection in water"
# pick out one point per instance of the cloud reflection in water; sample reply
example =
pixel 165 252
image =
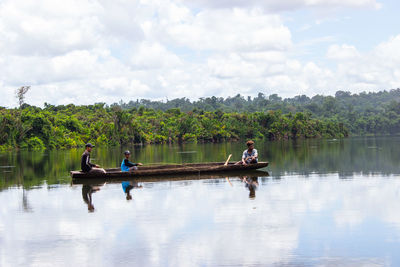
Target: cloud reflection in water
pixel 291 221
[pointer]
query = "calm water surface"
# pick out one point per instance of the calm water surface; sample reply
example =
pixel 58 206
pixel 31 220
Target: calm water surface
pixel 321 203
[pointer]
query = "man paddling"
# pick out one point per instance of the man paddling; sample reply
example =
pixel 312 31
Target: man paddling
pixel 86 165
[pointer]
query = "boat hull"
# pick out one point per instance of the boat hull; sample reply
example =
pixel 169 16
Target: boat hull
pixel 159 170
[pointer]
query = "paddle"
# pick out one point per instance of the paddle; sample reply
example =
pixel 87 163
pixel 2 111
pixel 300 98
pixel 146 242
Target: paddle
pixel 226 162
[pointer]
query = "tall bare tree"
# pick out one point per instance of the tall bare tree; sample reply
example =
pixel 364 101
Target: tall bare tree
pixel 20 92
pixel 19 126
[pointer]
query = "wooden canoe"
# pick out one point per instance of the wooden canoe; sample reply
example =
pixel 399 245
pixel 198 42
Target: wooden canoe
pixel 159 170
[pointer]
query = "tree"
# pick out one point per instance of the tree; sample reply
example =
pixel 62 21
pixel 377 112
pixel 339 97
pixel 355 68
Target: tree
pixel 20 92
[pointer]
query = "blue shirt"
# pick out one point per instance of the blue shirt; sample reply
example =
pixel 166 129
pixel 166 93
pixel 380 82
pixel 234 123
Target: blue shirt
pixel 126 164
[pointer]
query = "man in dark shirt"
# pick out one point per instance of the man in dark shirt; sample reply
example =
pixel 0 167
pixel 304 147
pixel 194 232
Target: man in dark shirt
pixel 86 165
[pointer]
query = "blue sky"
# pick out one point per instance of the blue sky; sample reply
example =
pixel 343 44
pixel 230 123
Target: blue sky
pixel 85 51
pixel 363 28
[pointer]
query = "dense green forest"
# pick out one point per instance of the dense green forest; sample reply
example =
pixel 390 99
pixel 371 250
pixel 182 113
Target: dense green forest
pixel 364 113
pixel 206 120
pixel 72 126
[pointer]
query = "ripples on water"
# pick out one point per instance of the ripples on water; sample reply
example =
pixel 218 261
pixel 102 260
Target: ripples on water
pixel 312 210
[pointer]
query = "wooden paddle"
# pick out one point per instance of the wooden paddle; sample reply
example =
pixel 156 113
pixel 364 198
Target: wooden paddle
pixel 226 162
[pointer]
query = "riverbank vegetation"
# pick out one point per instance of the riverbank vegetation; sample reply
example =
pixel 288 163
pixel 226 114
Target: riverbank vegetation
pixel 375 113
pixel 206 120
pixel 72 126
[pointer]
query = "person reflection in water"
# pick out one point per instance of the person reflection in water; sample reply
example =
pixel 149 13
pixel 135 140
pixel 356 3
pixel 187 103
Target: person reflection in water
pixel 127 186
pixel 87 191
pixel 252 184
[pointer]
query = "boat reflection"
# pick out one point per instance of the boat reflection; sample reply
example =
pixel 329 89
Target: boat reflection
pixel 93 185
pixel 183 177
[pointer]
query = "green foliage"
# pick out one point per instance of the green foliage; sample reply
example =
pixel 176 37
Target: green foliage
pixel 189 137
pixel 361 114
pixel 206 120
pixel 35 143
pixel 102 140
pixel 4 147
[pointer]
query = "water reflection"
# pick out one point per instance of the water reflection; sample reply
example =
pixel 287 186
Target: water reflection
pixel 127 186
pixel 87 191
pixel 348 157
pixel 251 183
pixel 327 202
pixel 293 221
pixel 25 203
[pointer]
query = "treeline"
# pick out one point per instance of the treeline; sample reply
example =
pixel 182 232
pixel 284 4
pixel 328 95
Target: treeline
pixel 364 113
pixel 68 126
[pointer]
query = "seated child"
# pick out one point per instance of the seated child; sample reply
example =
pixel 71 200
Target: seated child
pixel 126 165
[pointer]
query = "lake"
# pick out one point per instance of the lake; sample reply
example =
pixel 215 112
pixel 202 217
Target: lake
pixel 318 203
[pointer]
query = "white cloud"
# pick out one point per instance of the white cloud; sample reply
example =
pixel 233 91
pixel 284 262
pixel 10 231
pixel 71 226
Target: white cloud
pixel 47 28
pixel 344 52
pixel 378 68
pixel 389 51
pixel 284 5
pixel 240 30
pixel 153 56
pixel 102 50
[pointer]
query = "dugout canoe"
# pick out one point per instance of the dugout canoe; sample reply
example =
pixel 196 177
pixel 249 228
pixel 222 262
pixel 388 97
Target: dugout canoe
pixel 159 170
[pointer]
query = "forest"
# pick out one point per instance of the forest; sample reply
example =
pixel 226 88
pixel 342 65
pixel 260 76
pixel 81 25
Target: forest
pixel 205 120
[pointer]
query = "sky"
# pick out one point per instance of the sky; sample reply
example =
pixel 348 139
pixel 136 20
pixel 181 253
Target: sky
pixel 90 51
